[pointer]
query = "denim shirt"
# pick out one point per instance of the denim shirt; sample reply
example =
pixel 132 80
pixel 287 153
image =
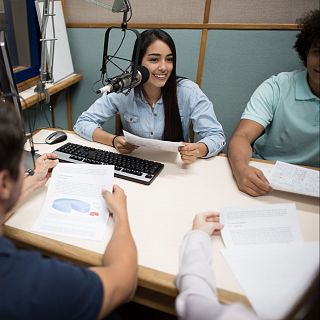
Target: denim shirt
pixel 139 118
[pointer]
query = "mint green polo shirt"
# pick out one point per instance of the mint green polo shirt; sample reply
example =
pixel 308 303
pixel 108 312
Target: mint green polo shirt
pixel 285 106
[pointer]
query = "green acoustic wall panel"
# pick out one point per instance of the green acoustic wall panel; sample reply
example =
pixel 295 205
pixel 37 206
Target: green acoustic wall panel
pixel 87 46
pixel 86 49
pixel 237 61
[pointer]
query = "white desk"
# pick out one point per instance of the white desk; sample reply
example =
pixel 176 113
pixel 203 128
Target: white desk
pixel 160 215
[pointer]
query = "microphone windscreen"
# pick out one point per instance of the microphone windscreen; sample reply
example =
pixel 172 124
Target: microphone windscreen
pixel 144 74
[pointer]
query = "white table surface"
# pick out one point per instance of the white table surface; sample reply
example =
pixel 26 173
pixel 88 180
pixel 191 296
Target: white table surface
pixel 161 213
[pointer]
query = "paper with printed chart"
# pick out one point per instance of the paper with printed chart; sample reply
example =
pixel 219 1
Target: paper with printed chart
pixel 74 205
pixel 152 143
pixel 296 179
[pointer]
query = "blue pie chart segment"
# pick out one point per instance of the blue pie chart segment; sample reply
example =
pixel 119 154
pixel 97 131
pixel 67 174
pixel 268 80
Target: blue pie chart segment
pixel 66 205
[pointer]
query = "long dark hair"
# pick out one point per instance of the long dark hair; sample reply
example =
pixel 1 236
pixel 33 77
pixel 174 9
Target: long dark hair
pixel 172 126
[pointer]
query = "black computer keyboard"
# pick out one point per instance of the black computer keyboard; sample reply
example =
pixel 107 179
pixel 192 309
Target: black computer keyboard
pixel 125 167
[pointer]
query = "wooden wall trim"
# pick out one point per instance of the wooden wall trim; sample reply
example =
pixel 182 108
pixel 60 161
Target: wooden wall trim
pixel 24 85
pixel 201 56
pixel 207 11
pixel 203 43
pixel 225 26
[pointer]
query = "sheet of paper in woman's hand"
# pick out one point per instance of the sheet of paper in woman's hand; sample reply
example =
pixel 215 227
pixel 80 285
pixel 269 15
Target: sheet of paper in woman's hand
pixel 152 143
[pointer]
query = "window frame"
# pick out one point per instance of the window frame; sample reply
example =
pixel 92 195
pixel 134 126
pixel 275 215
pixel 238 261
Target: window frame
pixel 34 38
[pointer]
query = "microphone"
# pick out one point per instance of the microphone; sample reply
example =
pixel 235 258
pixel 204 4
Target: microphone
pixel 123 82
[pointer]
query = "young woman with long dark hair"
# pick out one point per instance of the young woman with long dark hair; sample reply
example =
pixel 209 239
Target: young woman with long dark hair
pixel 161 108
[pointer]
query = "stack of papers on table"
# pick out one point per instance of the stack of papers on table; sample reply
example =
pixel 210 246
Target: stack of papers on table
pixel 267 254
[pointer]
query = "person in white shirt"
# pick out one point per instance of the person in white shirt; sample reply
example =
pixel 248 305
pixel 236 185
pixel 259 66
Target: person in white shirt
pixel 197 299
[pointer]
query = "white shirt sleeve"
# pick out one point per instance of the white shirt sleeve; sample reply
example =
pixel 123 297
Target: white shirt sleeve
pixel 197 299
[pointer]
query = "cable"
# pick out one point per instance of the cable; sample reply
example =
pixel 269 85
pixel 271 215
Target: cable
pixel 130 10
pixel 28 136
pixel 121 42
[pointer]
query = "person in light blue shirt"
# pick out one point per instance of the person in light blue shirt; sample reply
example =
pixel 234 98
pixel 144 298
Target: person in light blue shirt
pixel 161 108
pixel 292 107
pixel 281 119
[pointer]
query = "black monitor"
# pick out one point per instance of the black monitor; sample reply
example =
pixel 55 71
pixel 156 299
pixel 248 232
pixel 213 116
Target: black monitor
pixel 8 88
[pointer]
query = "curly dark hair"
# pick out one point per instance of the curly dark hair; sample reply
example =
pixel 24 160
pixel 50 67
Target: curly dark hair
pixel 309 35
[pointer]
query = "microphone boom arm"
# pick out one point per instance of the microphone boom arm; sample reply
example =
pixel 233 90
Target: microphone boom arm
pixel 46 66
pixel 134 62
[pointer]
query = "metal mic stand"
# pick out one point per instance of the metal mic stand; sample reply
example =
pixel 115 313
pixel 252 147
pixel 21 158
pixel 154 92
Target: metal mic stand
pixel 120 6
pixel 47 56
pixel 46 67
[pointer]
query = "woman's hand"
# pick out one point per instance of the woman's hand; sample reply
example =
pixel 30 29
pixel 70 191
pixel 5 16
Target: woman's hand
pixel 190 152
pixel 123 146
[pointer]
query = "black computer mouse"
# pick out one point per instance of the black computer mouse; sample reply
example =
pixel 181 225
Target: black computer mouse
pixel 55 137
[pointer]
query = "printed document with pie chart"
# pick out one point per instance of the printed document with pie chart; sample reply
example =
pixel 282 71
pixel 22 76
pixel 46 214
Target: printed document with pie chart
pixel 74 206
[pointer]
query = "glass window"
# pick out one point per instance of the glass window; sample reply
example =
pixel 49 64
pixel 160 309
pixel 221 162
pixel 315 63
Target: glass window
pixel 18 19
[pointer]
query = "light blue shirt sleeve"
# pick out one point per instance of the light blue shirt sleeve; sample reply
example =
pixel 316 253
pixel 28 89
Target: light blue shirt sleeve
pixel 196 107
pixel 99 112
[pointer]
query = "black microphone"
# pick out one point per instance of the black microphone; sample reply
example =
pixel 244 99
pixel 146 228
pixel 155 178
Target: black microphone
pixel 123 82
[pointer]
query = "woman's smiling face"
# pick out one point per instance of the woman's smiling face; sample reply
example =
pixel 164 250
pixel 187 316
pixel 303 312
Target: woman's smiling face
pixel 159 61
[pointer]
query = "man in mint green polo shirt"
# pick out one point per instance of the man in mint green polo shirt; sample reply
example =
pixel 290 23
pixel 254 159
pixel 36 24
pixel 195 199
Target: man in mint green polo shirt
pixel 281 119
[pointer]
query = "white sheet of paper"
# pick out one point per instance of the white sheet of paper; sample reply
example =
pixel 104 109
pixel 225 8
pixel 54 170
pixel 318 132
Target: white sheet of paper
pixel 296 179
pixel 152 143
pixel 74 205
pixel 265 168
pixel 267 224
pixel 275 276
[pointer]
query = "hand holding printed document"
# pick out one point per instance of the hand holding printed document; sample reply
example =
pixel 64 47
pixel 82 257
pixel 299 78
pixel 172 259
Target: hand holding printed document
pixel 152 143
pixel 74 205
pixel 296 179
